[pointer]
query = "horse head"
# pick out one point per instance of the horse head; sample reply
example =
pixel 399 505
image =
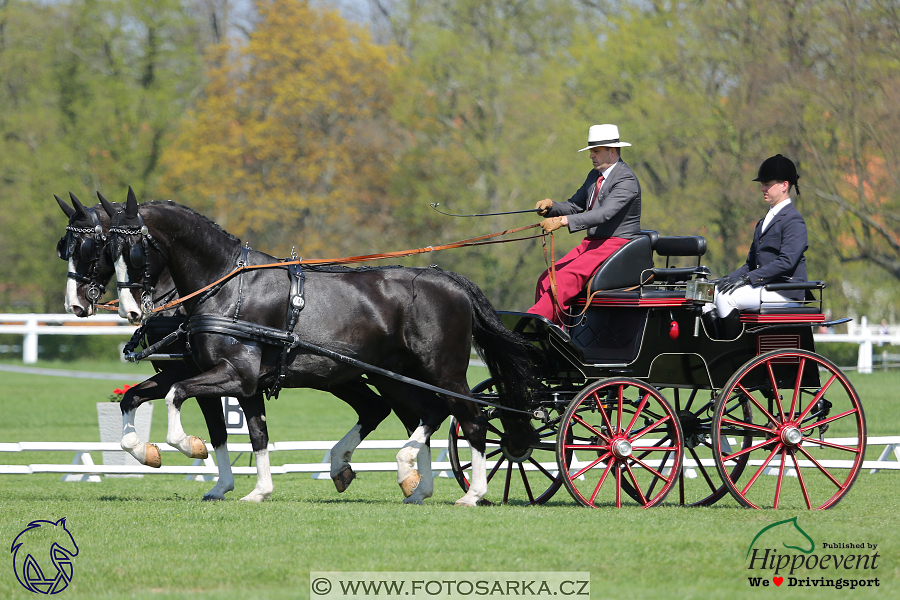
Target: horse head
pixel 82 246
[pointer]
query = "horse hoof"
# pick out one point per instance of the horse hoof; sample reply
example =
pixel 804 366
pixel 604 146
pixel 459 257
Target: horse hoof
pixel 342 480
pixel 208 498
pixel 461 503
pixel 410 484
pixel 151 456
pixel 198 448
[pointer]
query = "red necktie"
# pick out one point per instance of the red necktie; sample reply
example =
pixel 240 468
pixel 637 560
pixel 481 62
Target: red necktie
pixel 596 192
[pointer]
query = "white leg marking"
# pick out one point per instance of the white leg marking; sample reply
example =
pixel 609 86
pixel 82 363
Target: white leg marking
pixel 226 478
pixel 343 450
pixel 131 443
pixel 478 485
pixel 426 484
pixel 264 487
pixel 175 436
pixel 406 457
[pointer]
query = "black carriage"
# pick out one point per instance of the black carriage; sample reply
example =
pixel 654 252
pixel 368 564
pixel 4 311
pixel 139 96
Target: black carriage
pixel 639 397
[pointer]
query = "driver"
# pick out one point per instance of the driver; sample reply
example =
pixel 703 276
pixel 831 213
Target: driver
pixel 776 254
pixel 607 207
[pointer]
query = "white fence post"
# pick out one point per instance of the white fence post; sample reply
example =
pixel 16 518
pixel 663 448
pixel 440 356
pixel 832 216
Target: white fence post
pixel 30 345
pixel 864 361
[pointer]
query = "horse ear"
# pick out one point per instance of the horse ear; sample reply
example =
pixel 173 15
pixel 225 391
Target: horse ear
pixel 131 205
pixel 107 205
pixel 79 207
pixel 65 207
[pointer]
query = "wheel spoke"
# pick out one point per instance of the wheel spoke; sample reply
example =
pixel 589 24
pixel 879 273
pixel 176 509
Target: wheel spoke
pixel 494 470
pixel 761 469
pixel 762 409
pixel 637 412
pixel 775 388
pixel 618 486
pixel 592 465
pixel 831 445
pixel 589 427
pixel 821 468
pixel 602 410
pixel 818 395
pixel 602 479
pixel 780 475
pixel 619 406
pixel 493 429
pixel 749 449
pixel 509 470
pixel 802 483
pixel 700 466
pixel 648 468
pixel 796 397
pixel 525 482
pixel 751 426
pixel 829 419
pixel 650 428
pixel 691 399
pixel 653 483
pixel 637 486
pixel 541 469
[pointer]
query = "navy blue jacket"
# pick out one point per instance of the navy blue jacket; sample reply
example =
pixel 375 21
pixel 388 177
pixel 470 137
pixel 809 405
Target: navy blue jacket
pixel 776 255
pixel 618 213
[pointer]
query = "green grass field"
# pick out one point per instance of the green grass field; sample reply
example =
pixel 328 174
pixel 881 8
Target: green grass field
pixel 154 538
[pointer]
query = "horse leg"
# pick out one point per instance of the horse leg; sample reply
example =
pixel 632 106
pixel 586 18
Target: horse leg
pixel 474 425
pixel 372 409
pixel 224 379
pixel 150 389
pixel 218 436
pixel 254 409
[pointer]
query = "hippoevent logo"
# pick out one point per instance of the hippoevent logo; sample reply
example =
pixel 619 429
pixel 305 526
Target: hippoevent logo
pixel 42 556
pixel 784 554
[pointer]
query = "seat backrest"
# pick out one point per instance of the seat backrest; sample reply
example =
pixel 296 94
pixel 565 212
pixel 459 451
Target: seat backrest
pixel 680 245
pixel 624 266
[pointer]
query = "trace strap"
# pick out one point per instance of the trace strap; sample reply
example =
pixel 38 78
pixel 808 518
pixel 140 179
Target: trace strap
pixel 476 241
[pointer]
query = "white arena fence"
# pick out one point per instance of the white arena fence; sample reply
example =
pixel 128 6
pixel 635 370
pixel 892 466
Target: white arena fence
pixel 83 468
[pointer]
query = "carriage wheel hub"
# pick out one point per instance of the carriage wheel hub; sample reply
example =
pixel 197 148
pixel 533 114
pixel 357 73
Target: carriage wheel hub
pixel 621 448
pixel 791 435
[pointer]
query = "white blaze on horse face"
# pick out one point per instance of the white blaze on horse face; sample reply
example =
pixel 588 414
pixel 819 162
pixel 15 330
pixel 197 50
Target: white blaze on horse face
pixel 72 291
pixel 128 307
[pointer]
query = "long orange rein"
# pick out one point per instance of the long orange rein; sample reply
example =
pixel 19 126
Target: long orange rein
pixel 476 241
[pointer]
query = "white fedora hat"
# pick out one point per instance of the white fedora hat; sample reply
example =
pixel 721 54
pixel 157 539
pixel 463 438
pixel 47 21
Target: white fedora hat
pixel 604 135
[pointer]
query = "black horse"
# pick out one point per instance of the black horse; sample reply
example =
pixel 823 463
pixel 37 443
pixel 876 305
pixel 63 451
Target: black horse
pixel 415 322
pixel 90 273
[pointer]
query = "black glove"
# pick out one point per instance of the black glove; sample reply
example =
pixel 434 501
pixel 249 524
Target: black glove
pixel 729 284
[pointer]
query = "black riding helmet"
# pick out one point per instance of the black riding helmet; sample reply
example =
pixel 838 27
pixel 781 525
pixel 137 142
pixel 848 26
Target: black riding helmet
pixel 778 168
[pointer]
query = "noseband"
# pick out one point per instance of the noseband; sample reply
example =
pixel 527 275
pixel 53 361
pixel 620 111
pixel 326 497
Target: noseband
pixel 90 250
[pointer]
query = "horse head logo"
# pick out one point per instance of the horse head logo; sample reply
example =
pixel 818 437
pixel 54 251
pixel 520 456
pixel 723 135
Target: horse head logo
pixel 784 532
pixel 32 564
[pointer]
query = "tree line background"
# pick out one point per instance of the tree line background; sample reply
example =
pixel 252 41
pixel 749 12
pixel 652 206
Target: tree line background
pixel 331 127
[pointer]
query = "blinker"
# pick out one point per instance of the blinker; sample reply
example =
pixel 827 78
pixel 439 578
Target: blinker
pixel 136 257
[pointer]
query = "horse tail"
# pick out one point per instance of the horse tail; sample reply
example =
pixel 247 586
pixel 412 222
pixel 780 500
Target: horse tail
pixel 509 356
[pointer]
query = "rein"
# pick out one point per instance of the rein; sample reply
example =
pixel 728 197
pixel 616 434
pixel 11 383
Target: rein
pixel 476 241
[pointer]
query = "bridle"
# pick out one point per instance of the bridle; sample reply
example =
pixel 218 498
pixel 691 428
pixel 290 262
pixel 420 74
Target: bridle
pixel 84 240
pixel 137 257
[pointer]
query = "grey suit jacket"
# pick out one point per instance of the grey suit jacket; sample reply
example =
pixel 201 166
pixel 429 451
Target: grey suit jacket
pixel 616 213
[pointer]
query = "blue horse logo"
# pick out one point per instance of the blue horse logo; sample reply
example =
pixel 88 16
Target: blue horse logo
pixel 786 531
pixel 30 552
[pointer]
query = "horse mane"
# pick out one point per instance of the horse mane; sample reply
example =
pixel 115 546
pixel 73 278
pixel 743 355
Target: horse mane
pixel 194 213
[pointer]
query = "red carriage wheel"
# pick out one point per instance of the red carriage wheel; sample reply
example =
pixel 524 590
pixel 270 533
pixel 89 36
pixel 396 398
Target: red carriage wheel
pixel 619 435
pixel 527 474
pixel 795 397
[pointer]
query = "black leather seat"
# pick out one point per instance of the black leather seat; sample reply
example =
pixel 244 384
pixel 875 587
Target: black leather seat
pixel 624 266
